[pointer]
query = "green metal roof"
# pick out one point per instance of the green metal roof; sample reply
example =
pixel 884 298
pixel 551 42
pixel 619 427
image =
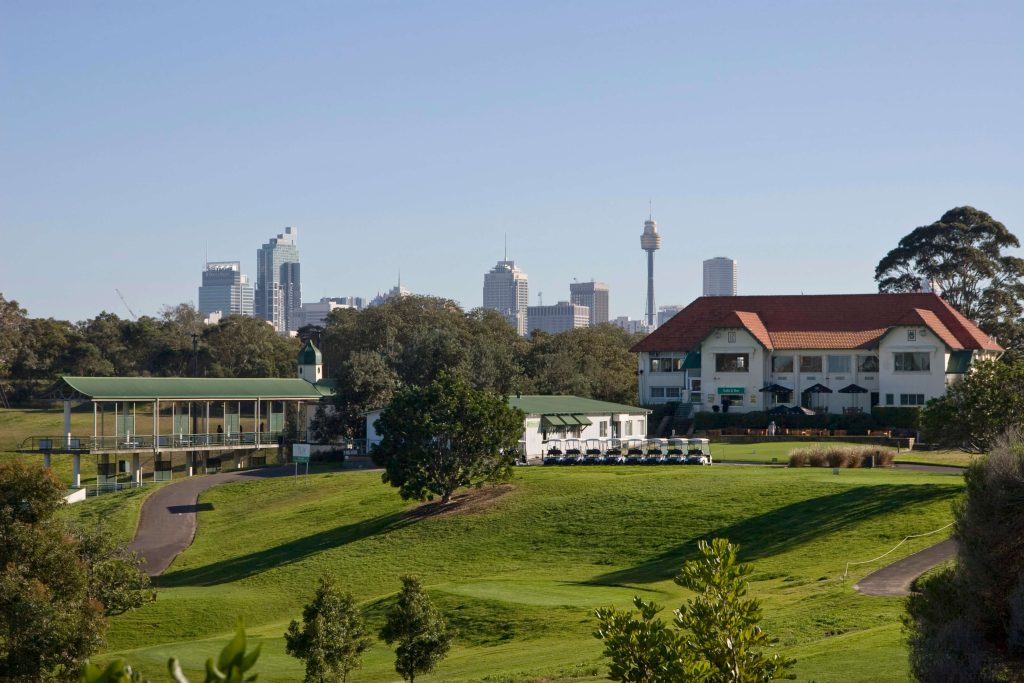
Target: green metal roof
pixel 310 355
pixel 195 388
pixel 569 405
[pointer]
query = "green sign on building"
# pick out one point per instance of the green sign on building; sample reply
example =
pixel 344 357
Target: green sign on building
pixel 731 390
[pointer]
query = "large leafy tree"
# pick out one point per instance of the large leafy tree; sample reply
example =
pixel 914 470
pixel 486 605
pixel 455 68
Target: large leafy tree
pixel 978 409
pixel 240 346
pixel 966 623
pixel 718 636
pixel 965 253
pixel 446 435
pixel 594 362
pixel 332 636
pixel 12 320
pixel 418 628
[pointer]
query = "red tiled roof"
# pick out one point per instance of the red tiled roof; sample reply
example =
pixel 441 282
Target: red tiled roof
pixel 829 321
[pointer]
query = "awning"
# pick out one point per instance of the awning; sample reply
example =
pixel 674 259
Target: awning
pixel 776 389
pixel 817 389
pixel 549 421
pixel 692 361
pixel 959 362
pixel 853 389
pixel 570 420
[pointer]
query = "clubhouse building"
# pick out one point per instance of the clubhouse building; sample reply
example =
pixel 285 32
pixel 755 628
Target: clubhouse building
pixel 832 353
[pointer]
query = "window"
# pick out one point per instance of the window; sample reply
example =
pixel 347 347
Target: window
pixel 911 399
pixel 629 428
pixel 911 335
pixel 671 392
pixel 838 363
pixel 657 392
pixel 889 400
pixel 874 399
pixel 666 365
pixel 730 336
pixel 782 364
pixel 912 361
pixel 810 363
pixel 867 363
pixel 732 362
pixel 784 397
pixel 695 385
pixel 603 428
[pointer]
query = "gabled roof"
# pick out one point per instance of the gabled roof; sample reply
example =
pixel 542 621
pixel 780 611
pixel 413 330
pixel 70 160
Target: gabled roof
pixel 194 388
pixel 828 321
pixel 569 405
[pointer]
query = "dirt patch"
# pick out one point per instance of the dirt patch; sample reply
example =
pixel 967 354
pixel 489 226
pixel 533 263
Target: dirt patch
pixel 464 503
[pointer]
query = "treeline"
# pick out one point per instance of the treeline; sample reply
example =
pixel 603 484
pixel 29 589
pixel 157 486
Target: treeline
pixel 372 353
pixel 412 340
pixel 34 351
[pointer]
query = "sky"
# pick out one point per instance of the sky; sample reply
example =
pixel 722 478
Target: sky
pixel 802 139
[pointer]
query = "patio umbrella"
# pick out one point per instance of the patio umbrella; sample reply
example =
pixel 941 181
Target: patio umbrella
pixel 779 410
pixel 775 389
pixel 817 389
pixel 853 389
pixel 800 410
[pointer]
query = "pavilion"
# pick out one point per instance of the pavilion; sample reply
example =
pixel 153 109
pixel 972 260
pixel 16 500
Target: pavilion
pixel 156 417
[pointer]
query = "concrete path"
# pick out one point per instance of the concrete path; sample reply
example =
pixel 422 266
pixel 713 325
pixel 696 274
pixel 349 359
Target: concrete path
pixel 896 579
pixel 167 523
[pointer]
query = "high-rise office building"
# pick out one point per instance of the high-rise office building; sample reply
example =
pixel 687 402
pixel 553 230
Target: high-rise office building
pixel 665 313
pixel 561 317
pixel 720 277
pixel 650 241
pixel 593 295
pixel 317 313
pixel 278 284
pixel 506 290
pixel 225 289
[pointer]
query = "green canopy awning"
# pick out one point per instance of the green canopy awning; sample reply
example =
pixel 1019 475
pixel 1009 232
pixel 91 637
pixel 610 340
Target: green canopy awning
pixel 549 421
pixel 573 420
pixel 959 362
pixel 692 361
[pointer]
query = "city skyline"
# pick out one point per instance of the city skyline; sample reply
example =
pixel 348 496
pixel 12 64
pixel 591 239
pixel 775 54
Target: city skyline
pixel 804 152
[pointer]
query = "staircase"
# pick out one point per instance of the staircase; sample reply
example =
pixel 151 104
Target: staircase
pixel 679 423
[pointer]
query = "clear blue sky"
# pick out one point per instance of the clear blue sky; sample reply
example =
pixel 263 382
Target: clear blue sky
pixel 801 138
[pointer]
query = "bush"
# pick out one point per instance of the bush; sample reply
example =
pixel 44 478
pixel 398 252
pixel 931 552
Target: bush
pixel 841 456
pixel 895 418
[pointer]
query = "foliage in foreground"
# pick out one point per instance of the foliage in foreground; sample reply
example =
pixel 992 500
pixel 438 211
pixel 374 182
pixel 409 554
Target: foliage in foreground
pixel 444 436
pixel 57 586
pixel 977 410
pixel 419 629
pixel 717 636
pixel 841 456
pixel 230 667
pixel 332 636
pixel 967 622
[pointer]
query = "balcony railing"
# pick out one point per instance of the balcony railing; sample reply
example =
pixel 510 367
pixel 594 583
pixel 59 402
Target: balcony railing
pixel 145 442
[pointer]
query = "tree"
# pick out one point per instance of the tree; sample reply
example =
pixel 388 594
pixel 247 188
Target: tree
pixel 332 636
pixel 593 362
pixel 48 622
pixel 718 639
pixel 12 318
pixel 977 410
pixel 966 623
pixel 964 252
pixel 365 382
pixel 241 346
pixel 116 579
pixel 444 436
pixel 419 629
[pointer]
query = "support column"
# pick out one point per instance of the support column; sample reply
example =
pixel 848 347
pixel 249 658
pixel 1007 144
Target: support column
pixel 76 471
pixel 46 460
pixel 190 458
pixel 67 424
pixel 136 470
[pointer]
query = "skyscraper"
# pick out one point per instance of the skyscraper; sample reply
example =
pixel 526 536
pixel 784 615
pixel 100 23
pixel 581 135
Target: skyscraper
pixel 278 287
pixel 593 295
pixel 225 289
pixel 720 277
pixel 561 317
pixel 506 290
pixel 650 242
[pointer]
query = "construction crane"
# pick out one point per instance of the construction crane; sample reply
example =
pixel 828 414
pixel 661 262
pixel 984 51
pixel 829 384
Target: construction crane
pixel 119 294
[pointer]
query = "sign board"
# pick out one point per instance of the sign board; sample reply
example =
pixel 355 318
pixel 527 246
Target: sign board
pixel 731 390
pixel 300 452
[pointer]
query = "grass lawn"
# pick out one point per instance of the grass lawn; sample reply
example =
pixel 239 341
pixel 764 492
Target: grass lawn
pixel 779 450
pixel 520 579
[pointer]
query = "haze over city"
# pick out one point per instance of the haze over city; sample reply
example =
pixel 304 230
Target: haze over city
pixel 801 139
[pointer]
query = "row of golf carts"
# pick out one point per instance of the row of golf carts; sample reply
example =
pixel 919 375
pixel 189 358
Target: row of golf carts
pixel 627 452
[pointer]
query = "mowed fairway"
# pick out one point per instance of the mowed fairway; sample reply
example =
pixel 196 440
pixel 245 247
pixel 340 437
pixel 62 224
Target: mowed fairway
pixel 520 579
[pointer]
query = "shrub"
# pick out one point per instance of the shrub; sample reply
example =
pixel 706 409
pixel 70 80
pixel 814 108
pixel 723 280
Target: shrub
pixel 837 457
pixel 798 457
pixel 816 458
pixel 840 456
pixel 884 457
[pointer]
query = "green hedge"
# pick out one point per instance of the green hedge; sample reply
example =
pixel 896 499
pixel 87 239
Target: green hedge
pixel 879 418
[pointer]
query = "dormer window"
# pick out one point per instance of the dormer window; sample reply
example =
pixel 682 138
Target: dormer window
pixel 731 336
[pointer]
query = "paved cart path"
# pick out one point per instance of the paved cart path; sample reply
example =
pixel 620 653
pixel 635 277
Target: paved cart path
pixel 167 523
pixel 896 579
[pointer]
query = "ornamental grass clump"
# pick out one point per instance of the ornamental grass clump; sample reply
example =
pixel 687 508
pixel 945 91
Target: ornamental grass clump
pixel 841 456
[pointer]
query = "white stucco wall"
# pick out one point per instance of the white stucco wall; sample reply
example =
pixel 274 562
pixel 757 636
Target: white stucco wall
pixel 931 383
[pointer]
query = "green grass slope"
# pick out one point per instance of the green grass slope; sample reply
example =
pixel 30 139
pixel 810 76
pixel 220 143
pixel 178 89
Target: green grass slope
pixel 520 578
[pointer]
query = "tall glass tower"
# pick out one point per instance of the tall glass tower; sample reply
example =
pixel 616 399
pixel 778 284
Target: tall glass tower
pixel 278 285
pixel 506 290
pixel 225 289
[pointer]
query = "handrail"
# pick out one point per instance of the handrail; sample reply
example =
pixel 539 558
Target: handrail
pixel 137 442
